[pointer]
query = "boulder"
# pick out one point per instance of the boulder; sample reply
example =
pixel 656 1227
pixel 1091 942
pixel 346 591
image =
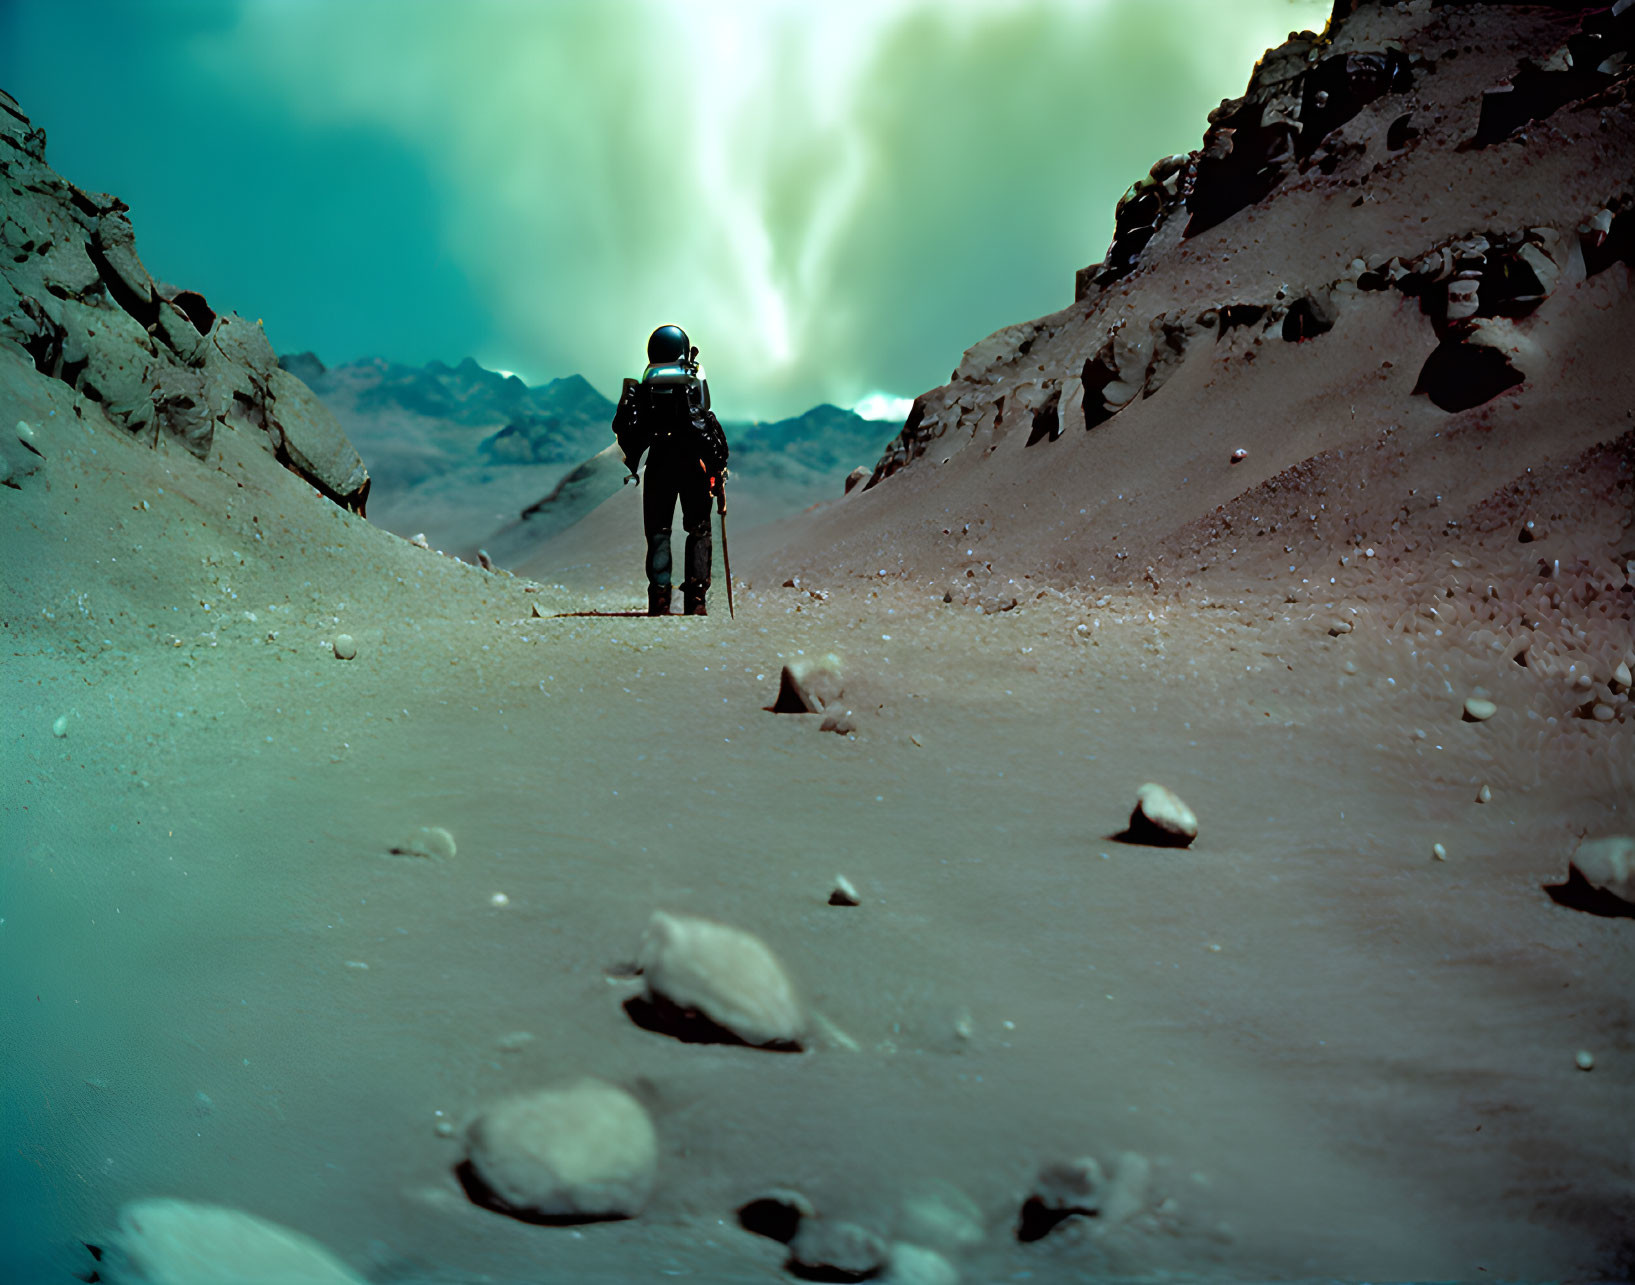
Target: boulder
pixel 836 1251
pixel 575 1153
pixel 1607 865
pixel 309 439
pixel 724 974
pixel 776 1214
pixel 177 1242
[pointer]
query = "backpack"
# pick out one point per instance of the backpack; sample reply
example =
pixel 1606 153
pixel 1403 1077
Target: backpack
pixel 667 406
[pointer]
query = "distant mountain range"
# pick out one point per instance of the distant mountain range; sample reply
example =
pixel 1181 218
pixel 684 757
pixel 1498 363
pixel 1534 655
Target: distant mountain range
pixel 459 451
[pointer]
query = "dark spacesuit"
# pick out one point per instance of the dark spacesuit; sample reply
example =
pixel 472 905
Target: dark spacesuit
pixel 667 414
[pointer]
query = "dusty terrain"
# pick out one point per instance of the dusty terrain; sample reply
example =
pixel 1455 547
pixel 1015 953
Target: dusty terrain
pixel 1345 1055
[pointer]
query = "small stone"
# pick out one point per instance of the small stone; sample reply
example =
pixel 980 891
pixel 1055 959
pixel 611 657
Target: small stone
pixel 942 1216
pixel 1603 713
pixel 582 1150
pixel 1620 677
pixel 776 1214
pixel 420 540
pixel 809 687
pixel 499 899
pixel 1160 818
pixel 1239 455
pixel 182 1243
pixel 1338 627
pixel 1478 709
pixel 444 1129
pixel 1484 795
pixel 911 1264
pixel 726 974
pixel 345 647
pixel 858 474
pixel 1439 852
pixel 844 894
pixel 836 1251
pixel 430 841
pixel 1127 1192
pixel 60 727
pixel 1585 1060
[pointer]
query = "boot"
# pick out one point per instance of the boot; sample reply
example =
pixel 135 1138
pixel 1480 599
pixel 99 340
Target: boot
pixel 658 600
pixel 693 604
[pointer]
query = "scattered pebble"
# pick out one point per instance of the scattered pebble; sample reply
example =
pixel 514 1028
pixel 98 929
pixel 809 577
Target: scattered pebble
pixel 1620 677
pixel 911 1264
pixel 1484 795
pixel 1478 709
pixel 430 841
pixel 582 1150
pixel 836 1251
pixel 942 1216
pixel 60 727
pixel 346 648
pixel 1603 713
pixel 1160 818
pixel 728 975
pixel 499 899
pixel 444 1129
pixel 420 539
pixel 1439 852
pixel 1585 1060
pixel 844 894
pixel 1338 627
pixel 182 1243
pixel 1239 455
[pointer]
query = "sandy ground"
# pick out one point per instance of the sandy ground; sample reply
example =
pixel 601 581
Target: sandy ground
pixel 1345 1059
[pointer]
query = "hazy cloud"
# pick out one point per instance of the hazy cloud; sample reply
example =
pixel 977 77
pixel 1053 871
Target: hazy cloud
pixel 835 199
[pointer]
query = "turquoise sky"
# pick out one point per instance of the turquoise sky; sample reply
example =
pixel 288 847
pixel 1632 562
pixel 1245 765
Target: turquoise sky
pixel 835 199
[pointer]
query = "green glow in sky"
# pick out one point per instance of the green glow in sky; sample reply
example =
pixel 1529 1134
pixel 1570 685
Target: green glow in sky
pixel 835 199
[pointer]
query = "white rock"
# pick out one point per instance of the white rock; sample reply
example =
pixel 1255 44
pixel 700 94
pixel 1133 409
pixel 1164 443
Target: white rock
pixel 176 1242
pixel 60 727
pixel 1608 864
pixel 911 1264
pixel 1585 1060
pixel 1239 455
pixel 1161 817
pixel 1484 795
pixel 844 893
pixel 420 539
pixel 1621 677
pixel 1478 709
pixel 1127 1191
pixel 430 841
pixel 1439 852
pixel 728 975
pixel 585 1149
pixel 942 1216
pixel 345 646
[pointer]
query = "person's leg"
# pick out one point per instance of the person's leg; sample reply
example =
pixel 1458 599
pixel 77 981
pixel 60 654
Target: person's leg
pixel 658 511
pixel 695 518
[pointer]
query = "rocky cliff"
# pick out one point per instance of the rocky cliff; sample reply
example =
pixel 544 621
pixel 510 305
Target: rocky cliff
pixel 1455 167
pixel 77 305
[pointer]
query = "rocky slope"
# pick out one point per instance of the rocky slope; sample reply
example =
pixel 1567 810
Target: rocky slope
pixel 1368 341
pixel 77 305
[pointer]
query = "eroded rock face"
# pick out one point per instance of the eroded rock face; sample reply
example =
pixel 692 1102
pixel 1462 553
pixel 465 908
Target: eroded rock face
pixel 77 303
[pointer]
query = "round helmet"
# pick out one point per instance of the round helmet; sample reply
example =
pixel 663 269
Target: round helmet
pixel 667 344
